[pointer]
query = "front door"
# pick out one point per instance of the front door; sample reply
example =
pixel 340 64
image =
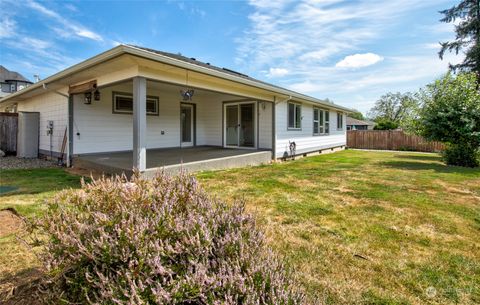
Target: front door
pixel 240 125
pixel 186 125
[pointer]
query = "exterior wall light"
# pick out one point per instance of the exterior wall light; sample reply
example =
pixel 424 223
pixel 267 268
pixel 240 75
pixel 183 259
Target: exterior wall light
pixel 96 95
pixel 88 98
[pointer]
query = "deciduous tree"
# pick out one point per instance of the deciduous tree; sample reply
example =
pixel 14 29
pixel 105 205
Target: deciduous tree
pixel 397 108
pixel 450 113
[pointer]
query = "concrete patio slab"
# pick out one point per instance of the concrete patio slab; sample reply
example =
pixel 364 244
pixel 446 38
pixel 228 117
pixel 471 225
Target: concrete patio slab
pixel 173 160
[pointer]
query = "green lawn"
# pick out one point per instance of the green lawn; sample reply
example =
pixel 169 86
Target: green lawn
pixel 358 227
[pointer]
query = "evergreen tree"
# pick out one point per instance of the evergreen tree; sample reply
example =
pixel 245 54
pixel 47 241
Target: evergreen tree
pixel 467 35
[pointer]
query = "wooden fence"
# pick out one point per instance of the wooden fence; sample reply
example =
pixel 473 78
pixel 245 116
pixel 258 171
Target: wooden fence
pixel 390 140
pixel 8 132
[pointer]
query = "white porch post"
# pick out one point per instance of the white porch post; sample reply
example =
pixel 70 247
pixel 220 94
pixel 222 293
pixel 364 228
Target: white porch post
pixel 139 123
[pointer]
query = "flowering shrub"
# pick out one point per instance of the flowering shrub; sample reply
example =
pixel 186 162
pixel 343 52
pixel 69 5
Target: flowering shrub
pixel 160 241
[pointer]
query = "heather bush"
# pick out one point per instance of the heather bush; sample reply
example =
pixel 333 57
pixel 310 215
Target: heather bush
pixel 160 241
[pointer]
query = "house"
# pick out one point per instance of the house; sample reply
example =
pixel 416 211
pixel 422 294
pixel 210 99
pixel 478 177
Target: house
pixel 137 107
pixel 354 124
pixel 11 81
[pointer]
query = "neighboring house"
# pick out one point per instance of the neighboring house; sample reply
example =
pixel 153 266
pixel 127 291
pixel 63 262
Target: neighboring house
pixel 128 99
pixel 11 81
pixel 354 124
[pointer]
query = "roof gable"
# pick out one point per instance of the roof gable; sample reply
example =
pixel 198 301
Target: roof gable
pixel 6 75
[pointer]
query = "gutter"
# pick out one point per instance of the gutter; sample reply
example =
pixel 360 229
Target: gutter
pixel 124 49
pixel 112 53
pixel 274 89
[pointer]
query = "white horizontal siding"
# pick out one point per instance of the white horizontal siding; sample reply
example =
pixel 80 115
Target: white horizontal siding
pixel 101 130
pixel 52 107
pixel 304 139
pixel 209 121
pixel 265 125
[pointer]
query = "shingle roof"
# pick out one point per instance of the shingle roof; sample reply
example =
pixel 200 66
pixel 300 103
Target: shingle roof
pixel 6 75
pixel 194 61
pixel 352 121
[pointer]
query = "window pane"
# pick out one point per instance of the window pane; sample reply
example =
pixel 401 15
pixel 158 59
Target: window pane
pixel 291 115
pixel 123 103
pixel 327 127
pixel 339 121
pixel 315 127
pixel 152 106
pixel 315 114
pixel 298 116
pixel 327 116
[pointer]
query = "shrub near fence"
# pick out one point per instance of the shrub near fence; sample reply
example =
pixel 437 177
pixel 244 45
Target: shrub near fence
pixel 390 140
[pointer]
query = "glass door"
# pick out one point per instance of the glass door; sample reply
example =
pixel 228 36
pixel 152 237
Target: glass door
pixel 247 125
pixel 186 125
pixel 232 124
pixel 240 125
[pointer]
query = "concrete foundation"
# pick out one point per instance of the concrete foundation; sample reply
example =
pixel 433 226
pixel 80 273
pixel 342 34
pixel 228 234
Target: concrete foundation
pixel 173 160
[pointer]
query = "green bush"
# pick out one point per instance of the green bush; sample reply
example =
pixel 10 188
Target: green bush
pixel 450 113
pixel 385 124
pixel 461 155
pixel 160 241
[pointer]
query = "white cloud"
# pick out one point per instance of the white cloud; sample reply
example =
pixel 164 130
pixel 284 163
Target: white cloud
pixel 324 43
pixel 359 60
pixel 305 87
pixel 277 72
pixel 68 27
pixel 432 46
pixel 7 27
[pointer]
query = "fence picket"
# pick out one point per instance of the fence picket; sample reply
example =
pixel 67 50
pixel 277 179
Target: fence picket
pixel 390 140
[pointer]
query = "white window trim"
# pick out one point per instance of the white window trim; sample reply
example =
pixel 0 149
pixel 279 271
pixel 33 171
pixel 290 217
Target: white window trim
pixel 155 99
pixel 323 111
pixel 299 105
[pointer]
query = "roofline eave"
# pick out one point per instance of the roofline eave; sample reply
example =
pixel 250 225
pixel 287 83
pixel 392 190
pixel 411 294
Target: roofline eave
pixel 127 49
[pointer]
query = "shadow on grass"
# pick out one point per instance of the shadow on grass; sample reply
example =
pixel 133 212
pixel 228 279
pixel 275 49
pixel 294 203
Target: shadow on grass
pixel 425 157
pixel 36 181
pixel 437 167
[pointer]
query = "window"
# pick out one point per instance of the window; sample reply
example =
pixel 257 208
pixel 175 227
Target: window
pixel 123 103
pixel 320 121
pixel 339 121
pixel 294 116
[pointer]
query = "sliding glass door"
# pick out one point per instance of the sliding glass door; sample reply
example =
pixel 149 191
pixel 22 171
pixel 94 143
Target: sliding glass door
pixel 240 125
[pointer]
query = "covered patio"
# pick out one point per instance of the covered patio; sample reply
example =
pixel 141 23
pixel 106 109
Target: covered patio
pixel 173 160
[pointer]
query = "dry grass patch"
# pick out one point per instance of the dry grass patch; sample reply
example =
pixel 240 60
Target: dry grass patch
pixel 358 227
pixel 369 227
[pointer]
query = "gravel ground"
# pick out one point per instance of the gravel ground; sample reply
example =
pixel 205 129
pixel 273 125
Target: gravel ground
pixel 20 163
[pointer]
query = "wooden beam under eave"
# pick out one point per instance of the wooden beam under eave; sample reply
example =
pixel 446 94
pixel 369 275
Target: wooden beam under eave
pixel 82 88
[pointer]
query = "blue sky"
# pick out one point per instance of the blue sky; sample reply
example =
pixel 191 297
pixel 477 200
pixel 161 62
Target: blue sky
pixel 350 51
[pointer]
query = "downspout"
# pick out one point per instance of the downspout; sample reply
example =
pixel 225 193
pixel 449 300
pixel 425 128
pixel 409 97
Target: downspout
pixel 274 127
pixel 274 131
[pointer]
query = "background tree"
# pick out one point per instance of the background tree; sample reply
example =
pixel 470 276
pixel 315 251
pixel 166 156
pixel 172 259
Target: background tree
pixel 385 124
pixel 450 113
pixel 467 35
pixel 356 115
pixel 394 109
